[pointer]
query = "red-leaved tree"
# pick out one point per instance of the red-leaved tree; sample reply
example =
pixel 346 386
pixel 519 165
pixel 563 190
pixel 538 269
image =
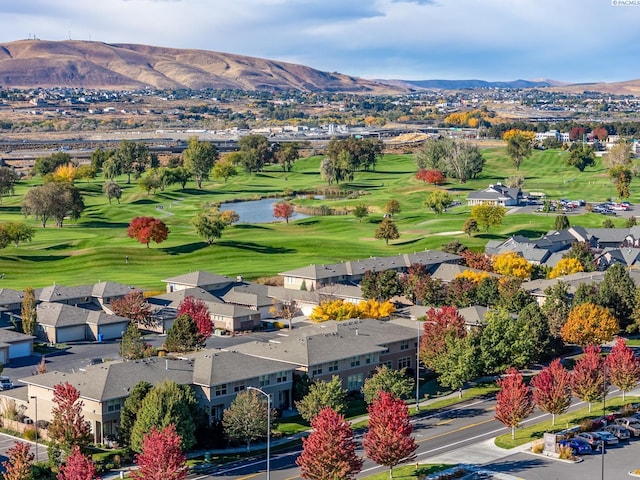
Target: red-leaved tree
pixel 388 440
pixel 477 260
pixel 18 463
pixel 147 229
pixel 329 452
pixel 133 306
pixel 161 457
pixel 283 210
pixel 199 313
pixel 587 378
pixel 435 177
pixel 514 401
pixel 77 467
pixel 623 368
pixel 436 324
pixel 552 389
pixel 68 426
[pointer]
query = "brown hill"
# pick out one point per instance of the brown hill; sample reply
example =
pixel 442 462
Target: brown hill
pixel 629 87
pixel 73 63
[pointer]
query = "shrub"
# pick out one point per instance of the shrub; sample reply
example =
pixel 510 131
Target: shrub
pixel 565 452
pixel 538 446
pixel 586 425
pixel 29 434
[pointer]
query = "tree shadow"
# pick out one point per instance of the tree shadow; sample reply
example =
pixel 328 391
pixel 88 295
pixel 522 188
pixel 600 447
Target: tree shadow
pixel 307 223
pixel 10 209
pixel 104 224
pixel 144 201
pixel 408 242
pixel 250 226
pixel 461 413
pixel 185 248
pixel 515 465
pixel 59 246
pixel 255 247
pixel 42 258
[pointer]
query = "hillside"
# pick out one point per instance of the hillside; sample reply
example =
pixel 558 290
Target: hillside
pixel 73 63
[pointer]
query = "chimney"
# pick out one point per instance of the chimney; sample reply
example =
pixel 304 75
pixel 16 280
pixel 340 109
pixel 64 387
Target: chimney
pixel 166 364
pixel 239 278
pixel 356 331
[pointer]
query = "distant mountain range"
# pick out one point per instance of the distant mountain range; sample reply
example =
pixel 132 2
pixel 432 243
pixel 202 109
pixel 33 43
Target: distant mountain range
pixel 465 84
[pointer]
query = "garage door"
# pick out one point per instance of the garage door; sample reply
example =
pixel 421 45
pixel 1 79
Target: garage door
pixel 70 334
pixel 3 356
pixel 20 349
pixel 110 332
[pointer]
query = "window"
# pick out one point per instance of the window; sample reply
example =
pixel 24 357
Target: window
pixel 354 382
pixel 221 390
pixel 316 371
pixel 369 358
pixel 113 405
pixel 281 377
pixel 388 364
pixel 333 367
pixel 404 362
pixel 238 386
pixel 265 380
pixel 404 345
pixel 355 361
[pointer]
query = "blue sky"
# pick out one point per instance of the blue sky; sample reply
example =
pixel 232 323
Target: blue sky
pixel 568 40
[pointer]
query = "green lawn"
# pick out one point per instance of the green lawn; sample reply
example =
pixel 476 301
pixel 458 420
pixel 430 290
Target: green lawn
pixel 94 248
pixel 410 472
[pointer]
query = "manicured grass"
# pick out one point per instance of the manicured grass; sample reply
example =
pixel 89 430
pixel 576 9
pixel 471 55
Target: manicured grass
pixel 94 248
pixel 410 472
pixel 633 342
pixel 533 432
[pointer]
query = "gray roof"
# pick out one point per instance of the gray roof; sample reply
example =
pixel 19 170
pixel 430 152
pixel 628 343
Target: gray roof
pixel 229 310
pixel 60 314
pixel 473 315
pixel 447 272
pixel 60 293
pixel 174 298
pixel 496 192
pixel 254 295
pixel 215 367
pixel 110 290
pixel 341 291
pixel 200 279
pixel 114 379
pixel 11 336
pixel 102 318
pixel 10 297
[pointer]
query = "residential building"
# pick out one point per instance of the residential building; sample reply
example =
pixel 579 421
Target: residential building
pixel 497 194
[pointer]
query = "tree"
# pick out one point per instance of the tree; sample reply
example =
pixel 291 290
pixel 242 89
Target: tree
pixel 286 154
pixel 199 158
pixel 388 440
pixel 360 211
pixel 65 173
pixel 199 313
pixel 323 394
pixel 112 190
pixel 181 175
pixel 8 180
pixel 47 165
pixel 18 463
pixel 209 225
pixel 55 200
pixel 437 323
pixel 131 158
pixel 434 177
pixel 283 210
pixel 470 226
pixel 438 201
pixel 552 389
pixel 392 207
pixel 511 264
pixel 18 232
pixel 562 222
pixel 623 368
pixel 329 452
pixel 129 412
pixel 581 156
pixel 134 307
pixel 85 172
pixel 460 362
pixel 619 155
pixel 246 418
pixel 380 285
pixel 224 169
pixel 488 215
pixel 587 378
pixel 255 152
pixel 229 217
pixel 132 345
pixel 166 403
pixel 77 467
pixel 454 158
pixel 28 312
pixel 617 293
pixel 286 309
pixel 519 145
pixel 583 253
pixel 146 229
pixel 387 230
pixel 514 401
pixel 68 426
pixel 589 324
pixel 600 133
pixel 183 336
pixel 389 380
pixel 621 176
pixel 161 457
pixel 566 266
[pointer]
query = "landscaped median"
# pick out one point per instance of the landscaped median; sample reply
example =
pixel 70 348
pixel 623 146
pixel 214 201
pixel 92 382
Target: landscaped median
pixel 564 421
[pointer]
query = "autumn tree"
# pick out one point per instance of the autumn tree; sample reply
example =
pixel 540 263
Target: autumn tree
pixel 283 210
pixel 380 286
pixel 112 190
pixel 53 200
pixel 619 155
pixel 246 418
pixel 28 312
pixel 589 324
pixel 389 380
pixel 623 368
pixel 514 401
pixel 199 312
pixel 134 307
pixel 68 426
pixel 470 226
pixel 487 215
pixel 587 378
pixel 224 169
pixel 65 173
pixel 581 156
pixel 329 452
pixel 434 177
pixel 147 229
pixel 18 463
pixel 438 201
pixel 621 176
pixel 388 439
pixel 392 207
pixel 436 324
pixel 209 225
pixel 161 456
pixel 511 264
pixel 360 211
pixel 334 310
pixel 18 232
pixel 323 394
pixel 519 145
pixel 199 158
pixel 566 266
pixel 552 389
pixel 387 230
pixel 78 467
pixel 375 309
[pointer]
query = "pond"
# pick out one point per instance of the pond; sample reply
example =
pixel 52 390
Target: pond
pixel 257 211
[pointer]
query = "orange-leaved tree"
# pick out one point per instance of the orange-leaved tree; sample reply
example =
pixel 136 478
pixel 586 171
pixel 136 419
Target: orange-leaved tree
pixel 589 324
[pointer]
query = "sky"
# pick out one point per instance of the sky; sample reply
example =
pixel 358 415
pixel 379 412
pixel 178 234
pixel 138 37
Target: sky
pixel 565 40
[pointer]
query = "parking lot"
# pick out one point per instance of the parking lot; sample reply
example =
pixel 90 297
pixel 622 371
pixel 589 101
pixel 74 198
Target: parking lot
pixel 6 442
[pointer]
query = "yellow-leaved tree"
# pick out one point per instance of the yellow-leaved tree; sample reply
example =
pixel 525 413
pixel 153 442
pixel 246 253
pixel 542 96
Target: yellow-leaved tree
pixel 589 324
pixel 334 310
pixel 566 266
pixel 512 265
pixel 65 173
pixel 373 309
pixel 475 277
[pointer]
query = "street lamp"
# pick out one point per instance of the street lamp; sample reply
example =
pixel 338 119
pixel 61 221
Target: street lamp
pixel 268 426
pixel 604 413
pixel 33 397
pixel 418 370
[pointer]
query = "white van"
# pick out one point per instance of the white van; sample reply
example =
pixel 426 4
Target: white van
pixel 5 383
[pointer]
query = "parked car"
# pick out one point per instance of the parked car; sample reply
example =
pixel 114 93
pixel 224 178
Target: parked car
pixel 593 439
pixel 619 431
pixel 5 383
pixel 608 437
pixel 578 446
pixel 630 423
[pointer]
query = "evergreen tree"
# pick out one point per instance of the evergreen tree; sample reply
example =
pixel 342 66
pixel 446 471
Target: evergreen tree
pixel 183 336
pixel 132 345
pixel 29 312
pixel 246 418
pixel 129 412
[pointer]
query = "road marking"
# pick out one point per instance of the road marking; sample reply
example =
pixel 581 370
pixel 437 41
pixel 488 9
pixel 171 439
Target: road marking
pixel 471 425
pixel 444 422
pixel 250 476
